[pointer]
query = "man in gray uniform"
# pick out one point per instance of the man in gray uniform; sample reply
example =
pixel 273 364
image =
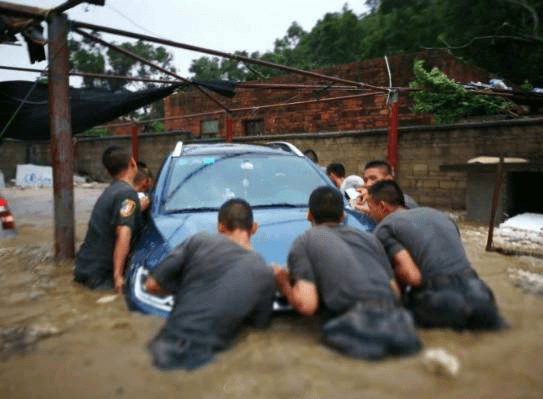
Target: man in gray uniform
pixel 374 171
pixel 114 221
pixel 219 283
pixel 426 251
pixel 345 273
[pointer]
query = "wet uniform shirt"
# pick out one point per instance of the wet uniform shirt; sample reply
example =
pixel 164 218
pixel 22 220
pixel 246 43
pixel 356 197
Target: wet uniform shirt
pixel 451 294
pixel 118 205
pixel 218 285
pixel 347 265
pixel 430 237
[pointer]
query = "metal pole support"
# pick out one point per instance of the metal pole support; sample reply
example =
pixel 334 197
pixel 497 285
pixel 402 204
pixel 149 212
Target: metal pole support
pixel 495 199
pixel 229 131
pixel 135 143
pixel 392 146
pixel 61 137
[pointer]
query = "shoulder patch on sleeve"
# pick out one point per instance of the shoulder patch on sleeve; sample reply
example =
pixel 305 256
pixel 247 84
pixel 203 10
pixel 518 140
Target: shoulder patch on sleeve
pixel 128 207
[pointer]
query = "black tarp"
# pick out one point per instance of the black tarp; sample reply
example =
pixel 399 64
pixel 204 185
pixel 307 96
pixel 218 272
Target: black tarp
pixel 89 107
pixel 222 87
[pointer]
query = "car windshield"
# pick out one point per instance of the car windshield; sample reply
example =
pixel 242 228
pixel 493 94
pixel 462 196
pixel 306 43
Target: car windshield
pixel 206 182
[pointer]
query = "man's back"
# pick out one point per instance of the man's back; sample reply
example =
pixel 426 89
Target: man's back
pixel 218 285
pixel 431 238
pixel 347 265
pixel 450 293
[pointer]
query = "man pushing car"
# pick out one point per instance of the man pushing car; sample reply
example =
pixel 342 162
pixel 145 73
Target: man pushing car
pixel 344 273
pixel 219 282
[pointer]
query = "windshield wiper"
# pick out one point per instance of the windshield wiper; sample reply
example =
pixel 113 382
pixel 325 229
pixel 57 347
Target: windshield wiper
pixel 190 210
pixel 279 205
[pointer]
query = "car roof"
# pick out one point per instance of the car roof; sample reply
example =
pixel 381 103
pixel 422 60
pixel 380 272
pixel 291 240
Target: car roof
pixel 231 148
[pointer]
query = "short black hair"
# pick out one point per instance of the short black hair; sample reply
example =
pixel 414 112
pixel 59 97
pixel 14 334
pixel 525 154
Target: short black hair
pixel 336 168
pixel 140 176
pixel 311 154
pixel 142 167
pixel 326 204
pixel 388 191
pixel 380 164
pixel 116 159
pixel 236 213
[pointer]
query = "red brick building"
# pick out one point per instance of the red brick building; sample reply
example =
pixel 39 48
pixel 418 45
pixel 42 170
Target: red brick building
pixel 255 113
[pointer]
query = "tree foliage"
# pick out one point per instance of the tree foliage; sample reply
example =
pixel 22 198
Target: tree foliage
pixel 88 56
pixel 501 36
pixel 447 99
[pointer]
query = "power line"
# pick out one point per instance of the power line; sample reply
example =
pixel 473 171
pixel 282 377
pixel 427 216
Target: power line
pixel 121 14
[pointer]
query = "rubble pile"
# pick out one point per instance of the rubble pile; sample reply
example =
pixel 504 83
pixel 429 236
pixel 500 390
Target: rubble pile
pixel 522 233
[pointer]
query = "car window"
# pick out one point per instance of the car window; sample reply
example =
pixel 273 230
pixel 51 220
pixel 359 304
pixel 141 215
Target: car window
pixel 208 181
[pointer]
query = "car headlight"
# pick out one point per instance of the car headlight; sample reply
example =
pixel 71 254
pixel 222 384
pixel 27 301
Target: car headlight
pixel 163 303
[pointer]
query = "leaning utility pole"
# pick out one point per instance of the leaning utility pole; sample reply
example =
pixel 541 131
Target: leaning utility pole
pixel 59 116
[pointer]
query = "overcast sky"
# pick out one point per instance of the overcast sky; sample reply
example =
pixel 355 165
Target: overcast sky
pixel 220 25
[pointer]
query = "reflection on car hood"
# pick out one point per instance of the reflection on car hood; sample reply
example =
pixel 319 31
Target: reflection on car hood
pixel 276 231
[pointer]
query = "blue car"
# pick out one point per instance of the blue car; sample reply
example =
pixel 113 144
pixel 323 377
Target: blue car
pixel 196 179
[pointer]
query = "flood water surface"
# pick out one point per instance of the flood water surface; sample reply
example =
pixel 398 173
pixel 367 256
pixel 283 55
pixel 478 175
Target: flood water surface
pixel 60 340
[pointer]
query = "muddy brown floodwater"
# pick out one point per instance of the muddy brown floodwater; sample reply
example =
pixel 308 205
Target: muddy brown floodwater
pixel 57 340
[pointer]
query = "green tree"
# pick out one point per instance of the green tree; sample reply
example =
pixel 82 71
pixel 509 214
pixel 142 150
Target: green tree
pixel 336 38
pixel 448 100
pixel 87 56
pixel 501 36
pixel 206 68
pixel 97 131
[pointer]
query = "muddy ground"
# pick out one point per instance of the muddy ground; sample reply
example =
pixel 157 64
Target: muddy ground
pixel 59 340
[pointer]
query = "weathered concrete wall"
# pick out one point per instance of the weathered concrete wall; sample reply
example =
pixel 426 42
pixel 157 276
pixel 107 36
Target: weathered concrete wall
pixel 12 153
pixel 153 148
pixel 422 150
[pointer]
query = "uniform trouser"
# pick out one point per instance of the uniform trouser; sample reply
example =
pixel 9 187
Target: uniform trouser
pixel 171 351
pixel 459 301
pixel 373 330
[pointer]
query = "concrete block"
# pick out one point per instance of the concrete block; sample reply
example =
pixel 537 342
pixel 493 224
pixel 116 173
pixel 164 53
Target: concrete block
pixel 461 184
pixel 431 184
pixel 420 169
pixel 447 184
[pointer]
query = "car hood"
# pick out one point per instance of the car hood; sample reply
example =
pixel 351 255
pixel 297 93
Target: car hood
pixel 276 229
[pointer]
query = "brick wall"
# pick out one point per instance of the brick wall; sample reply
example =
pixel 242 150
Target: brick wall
pixel 422 150
pixel 325 116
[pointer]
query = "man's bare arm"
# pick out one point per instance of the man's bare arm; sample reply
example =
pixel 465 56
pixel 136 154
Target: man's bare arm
pixel 152 286
pixel 123 234
pixel 395 288
pixel 302 296
pixel 405 269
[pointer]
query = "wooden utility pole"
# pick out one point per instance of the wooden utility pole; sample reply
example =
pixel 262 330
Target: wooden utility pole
pixel 59 116
pixel 61 136
pixel 392 146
